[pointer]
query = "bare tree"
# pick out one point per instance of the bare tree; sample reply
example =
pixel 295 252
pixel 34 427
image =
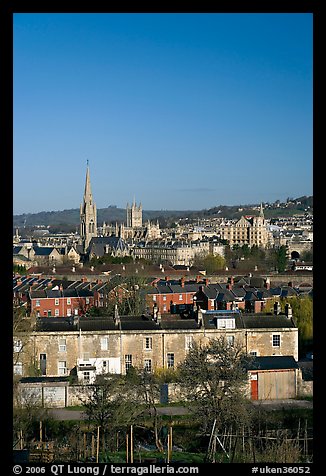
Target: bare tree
pixel 212 379
pixel 146 387
pixel 110 405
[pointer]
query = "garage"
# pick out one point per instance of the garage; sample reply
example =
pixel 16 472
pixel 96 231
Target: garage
pixel 273 378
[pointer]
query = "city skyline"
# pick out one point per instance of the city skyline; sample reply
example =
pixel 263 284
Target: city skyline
pixel 180 111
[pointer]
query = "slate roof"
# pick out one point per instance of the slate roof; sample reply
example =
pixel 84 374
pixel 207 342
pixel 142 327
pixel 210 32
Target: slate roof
pixel 16 249
pixel 44 379
pixel 225 295
pixel 173 322
pixel 43 250
pixel 137 323
pixel 97 245
pixel 264 320
pixel 273 363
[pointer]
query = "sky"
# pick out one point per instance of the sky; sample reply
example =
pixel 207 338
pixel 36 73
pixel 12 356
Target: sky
pixel 183 111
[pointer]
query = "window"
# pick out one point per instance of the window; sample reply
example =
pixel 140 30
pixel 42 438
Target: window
pixel 69 312
pixel 188 342
pixel 87 300
pixel 86 377
pixel 18 368
pixel 276 340
pixel 148 365
pixel 104 343
pixel 180 297
pixel 230 340
pixel 18 345
pixel 43 364
pixel 164 298
pixel 154 297
pixel 226 323
pixel 76 312
pixel 86 356
pixel 62 367
pixel 164 307
pixel 170 360
pixel 128 362
pixel 69 301
pixel 148 343
pixel 56 312
pixel 56 302
pixel 105 366
pixel 37 303
pixel 62 345
pixel 253 353
pixel 38 314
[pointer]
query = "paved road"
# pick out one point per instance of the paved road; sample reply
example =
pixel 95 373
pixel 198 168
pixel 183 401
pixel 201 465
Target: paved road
pixel 66 414
pixel 279 404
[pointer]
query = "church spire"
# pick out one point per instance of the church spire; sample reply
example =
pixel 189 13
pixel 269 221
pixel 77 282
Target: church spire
pixel 261 212
pixel 88 214
pixel 88 190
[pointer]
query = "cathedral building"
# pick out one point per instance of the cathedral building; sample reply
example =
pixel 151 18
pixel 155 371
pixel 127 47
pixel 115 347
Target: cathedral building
pixel 133 231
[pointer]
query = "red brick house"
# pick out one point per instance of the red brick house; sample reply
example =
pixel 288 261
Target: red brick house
pixel 61 302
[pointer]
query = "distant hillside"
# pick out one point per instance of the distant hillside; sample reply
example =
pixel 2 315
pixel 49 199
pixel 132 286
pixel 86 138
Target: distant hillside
pixel 70 218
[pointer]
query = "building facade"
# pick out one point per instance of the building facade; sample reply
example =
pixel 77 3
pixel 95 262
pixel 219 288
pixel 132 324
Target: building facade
pixel 88 347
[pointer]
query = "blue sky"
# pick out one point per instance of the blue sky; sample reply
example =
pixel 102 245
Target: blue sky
pixel 181 110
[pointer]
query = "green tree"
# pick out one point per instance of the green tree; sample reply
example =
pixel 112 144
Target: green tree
pixel 281 259
pixel 210 263
pixel 302 311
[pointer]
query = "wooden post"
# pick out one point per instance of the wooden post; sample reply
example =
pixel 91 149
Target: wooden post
pixel 93 445
pixel 41 439
pixel 85 452
pixel 127 448
pixel 131 445
pixel 170 441
pixel 98 443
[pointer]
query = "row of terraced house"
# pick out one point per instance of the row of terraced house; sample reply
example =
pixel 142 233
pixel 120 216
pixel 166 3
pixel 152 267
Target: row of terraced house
pixel 69 344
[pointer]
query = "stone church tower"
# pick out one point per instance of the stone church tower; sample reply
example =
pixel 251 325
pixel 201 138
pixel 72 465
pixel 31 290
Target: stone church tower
pixel 134 215
pixel 88 218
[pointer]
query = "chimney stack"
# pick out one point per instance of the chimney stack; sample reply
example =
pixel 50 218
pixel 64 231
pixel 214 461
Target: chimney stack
pixel 277 307
pixel 288 310
pixel 267 283
pixel 206 281
pixel 158 317
pixel 200 319
pixel 116 315
pixel 155 310
pixel 167 278
pixel 198 278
